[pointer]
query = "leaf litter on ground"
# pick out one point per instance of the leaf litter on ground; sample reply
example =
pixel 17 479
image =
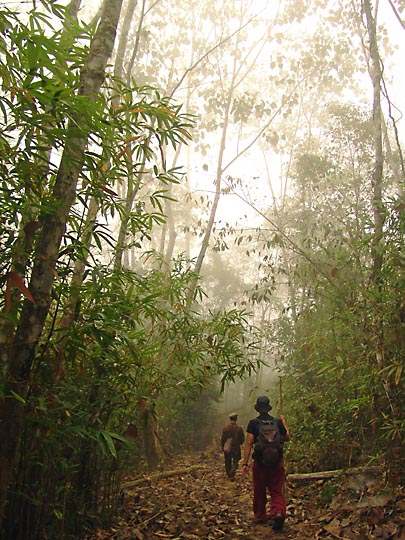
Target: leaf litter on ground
pixel 193 499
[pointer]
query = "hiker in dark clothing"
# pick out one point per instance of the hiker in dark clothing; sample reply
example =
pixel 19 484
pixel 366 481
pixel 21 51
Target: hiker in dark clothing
pixel 235 436
pixel 266 477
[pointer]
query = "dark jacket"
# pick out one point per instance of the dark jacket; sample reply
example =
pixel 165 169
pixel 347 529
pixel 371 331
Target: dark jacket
pixel 232 430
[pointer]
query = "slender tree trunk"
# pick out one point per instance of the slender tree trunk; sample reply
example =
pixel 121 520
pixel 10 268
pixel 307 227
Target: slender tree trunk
pixel 375 72
pixel 75 283
pixel 123 39
pixel 137 40
pixel 217 195
pixel 169 234
pixel 132 190
pixel 377 178
pixel 242 65
pixel 33 316
pixel 133 183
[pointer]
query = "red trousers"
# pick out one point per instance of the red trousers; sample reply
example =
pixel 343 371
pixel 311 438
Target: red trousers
pixel 271 480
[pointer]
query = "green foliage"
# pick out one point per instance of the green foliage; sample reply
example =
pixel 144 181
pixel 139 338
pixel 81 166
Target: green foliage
pixel 348 394
pixel 114 338
pixel 139 343
pixel 119 342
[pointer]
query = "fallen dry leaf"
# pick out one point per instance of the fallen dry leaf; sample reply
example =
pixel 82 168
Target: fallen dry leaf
pixel 195 501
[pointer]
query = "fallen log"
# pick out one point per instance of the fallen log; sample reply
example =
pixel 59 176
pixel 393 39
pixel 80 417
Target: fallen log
pixel 157 476
pixel 295 477
pixel 322 475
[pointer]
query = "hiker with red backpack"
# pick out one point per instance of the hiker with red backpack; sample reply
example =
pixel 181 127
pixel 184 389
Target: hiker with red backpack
pixel 266 436
pixel 231 439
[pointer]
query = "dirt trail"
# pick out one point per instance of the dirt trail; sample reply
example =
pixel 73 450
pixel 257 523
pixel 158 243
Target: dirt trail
pixel 193 499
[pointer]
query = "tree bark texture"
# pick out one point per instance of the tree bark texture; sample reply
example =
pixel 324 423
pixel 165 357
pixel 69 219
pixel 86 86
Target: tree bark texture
pixel 325 475
pixel 21 354
pixel 147 481
pixel 123 39
pixel 375 72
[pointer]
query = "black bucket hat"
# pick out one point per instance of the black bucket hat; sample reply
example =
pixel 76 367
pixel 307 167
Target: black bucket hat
pixel 263 404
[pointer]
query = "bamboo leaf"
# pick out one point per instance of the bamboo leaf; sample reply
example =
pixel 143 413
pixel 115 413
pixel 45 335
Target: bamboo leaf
pixel 398 374
pixel 18 397
pixel 107 445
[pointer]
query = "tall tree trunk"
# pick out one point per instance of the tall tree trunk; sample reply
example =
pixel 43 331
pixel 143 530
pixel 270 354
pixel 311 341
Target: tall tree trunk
pixel 375 72
pixel 243 62
pixel 377 178
pixel 123 39
pixel 218 181
pixel 137 40
pixel 33 315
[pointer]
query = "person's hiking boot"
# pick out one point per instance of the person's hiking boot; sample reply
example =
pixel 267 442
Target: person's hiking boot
pixel 278 522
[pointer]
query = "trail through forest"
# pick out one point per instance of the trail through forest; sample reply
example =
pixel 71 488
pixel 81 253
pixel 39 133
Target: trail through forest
pixel 193 499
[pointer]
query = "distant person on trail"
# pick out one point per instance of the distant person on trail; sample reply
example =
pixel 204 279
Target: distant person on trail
pixel 232 437
pixel 266 435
